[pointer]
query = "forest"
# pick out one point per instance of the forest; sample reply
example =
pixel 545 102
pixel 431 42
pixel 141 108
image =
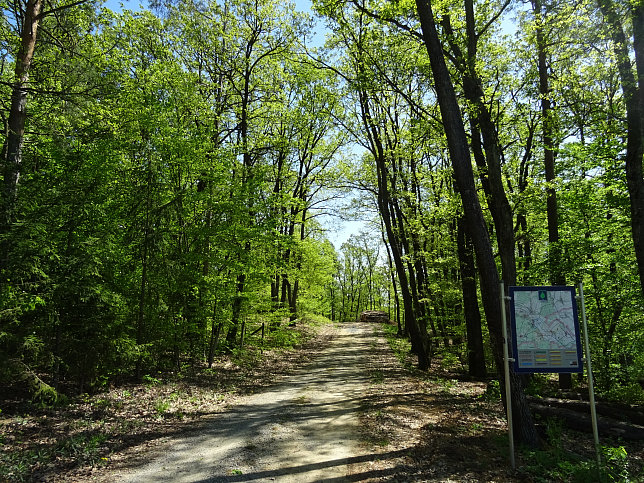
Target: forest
pixel 169 173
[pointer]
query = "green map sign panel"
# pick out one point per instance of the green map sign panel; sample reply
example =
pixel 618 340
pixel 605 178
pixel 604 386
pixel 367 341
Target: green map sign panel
pixel 545 329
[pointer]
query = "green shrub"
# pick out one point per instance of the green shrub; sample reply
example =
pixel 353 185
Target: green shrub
pixel 161 406
pixel 492 391
pixel 151 381
pixel 631 393
pixel 284 338
pixel 554 464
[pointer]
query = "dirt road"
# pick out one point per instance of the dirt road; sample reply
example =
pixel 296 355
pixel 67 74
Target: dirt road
pixel 304 429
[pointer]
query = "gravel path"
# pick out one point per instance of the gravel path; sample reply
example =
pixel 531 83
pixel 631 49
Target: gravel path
pixel 304 429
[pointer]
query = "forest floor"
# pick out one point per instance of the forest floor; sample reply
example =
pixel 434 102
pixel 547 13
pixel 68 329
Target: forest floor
pixel 343 407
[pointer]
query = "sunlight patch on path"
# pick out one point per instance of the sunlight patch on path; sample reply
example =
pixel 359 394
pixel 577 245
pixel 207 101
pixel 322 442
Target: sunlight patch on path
pixel 304 429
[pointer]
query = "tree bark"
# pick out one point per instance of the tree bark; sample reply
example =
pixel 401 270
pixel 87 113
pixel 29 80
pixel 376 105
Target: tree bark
pixel 12 152
pixel 40 391
pixel 475 351
pixel 634 100
pixel 393 282
pixel 487 154
pixel 557 276
pixel 231 336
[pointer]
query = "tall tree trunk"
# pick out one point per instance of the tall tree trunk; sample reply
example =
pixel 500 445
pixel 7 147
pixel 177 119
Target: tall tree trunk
pixel 634 100
pixel 215 330
pixel 419 338
pixel 524 427
pixel 296 285
pixel 231 336
pixel 523 240
pixel 557 276
pixel 12 152
pixel 422 348
pixel 487 154
pixel 475 350
pixel 145 255
pixel 393 281
pixel 246 184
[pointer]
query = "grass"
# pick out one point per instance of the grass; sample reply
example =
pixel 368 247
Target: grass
pixel 161 407
pixel 85 448
pixel 445 384
pixel 399 345
pixel 377 377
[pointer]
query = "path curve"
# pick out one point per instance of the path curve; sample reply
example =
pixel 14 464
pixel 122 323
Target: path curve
pixel 303 429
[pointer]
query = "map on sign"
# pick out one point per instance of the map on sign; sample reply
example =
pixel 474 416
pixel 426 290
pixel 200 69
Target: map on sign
pixel 545 329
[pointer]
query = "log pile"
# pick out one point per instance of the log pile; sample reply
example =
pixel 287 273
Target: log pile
pixel 619 422
pixel 374 316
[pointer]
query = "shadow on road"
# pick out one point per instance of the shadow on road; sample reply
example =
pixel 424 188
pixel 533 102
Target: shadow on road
pixel 298 470
pixel 305 428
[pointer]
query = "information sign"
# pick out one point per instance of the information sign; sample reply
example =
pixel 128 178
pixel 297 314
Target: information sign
pixel 545 329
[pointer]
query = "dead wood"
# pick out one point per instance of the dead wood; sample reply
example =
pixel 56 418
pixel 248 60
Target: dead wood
pixel 581 421
pixel 621 412
pixel 374 316
pixel 40 391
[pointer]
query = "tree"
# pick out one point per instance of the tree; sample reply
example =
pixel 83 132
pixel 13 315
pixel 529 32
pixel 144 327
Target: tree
pixel 28 22
pixel 382 132
pixel 634 103
pixel 460 156
pixel 475 349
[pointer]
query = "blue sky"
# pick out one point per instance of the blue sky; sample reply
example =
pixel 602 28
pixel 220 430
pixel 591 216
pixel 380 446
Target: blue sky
pixel 302 5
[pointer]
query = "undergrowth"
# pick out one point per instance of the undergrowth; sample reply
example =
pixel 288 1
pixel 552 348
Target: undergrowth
pixel 42 443
pixel 86 448
pixel 399 345
pixel 558 464
pixel 564 457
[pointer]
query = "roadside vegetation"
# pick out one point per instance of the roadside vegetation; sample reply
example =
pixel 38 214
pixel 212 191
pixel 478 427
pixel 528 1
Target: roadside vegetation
pixel 88 433
pixel 452 427
pixel 419 425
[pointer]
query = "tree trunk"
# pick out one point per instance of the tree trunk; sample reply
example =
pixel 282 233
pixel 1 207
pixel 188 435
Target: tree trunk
pixel 16 122
pixel 475 350
pixel 140 318
pixel 215 331
pixel 634 100
pixel 582 422
pixel 419 339
pixel 393 282
pixel 231 336
pixel 487 154
pixel 557 276
pixel 524 427
pixel 40 391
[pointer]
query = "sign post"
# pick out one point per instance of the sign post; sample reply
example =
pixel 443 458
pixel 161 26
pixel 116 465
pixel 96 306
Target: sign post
pixel 545 330
pixel 506 371
pixel 589 369
pixel 546 338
